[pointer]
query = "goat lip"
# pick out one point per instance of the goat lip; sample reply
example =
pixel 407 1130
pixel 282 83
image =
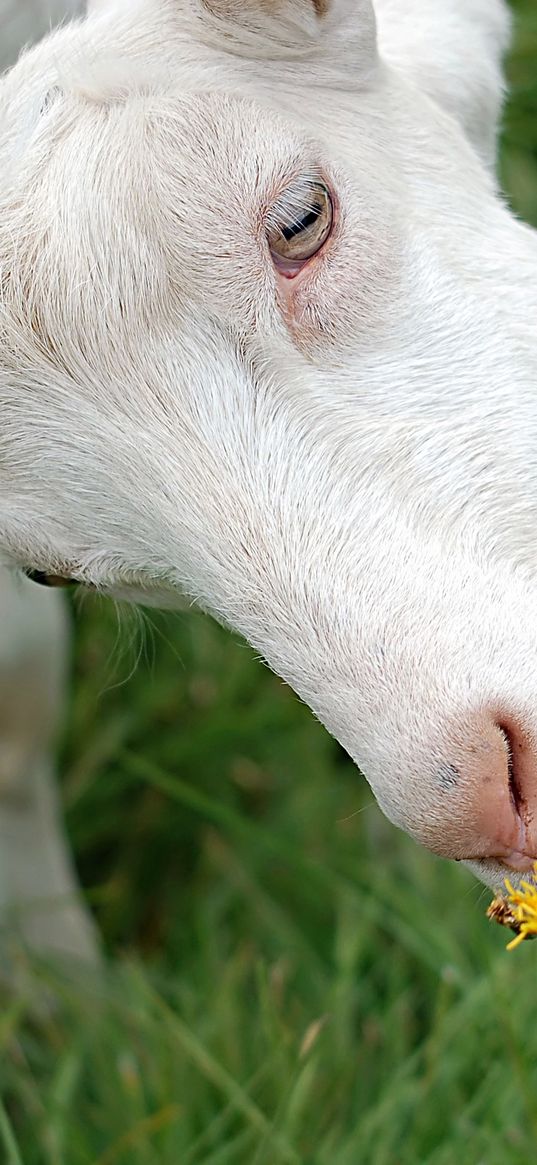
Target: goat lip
pixel 520 862
pixel 506 860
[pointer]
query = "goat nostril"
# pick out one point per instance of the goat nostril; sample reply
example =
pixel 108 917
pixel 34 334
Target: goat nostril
pixel 512 748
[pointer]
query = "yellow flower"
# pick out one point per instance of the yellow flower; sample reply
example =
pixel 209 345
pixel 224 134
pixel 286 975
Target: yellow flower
pixel 518 910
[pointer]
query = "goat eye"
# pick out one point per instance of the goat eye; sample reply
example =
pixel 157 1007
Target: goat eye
pixel 48 580
pixel 299 225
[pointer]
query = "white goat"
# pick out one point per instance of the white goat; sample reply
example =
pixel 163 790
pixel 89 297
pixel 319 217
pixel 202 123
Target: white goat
pixel 268 341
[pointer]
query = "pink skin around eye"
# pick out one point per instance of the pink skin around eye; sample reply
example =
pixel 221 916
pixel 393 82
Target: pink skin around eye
pixel 291 268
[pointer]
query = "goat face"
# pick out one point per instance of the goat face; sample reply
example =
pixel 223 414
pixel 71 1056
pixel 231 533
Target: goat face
pixel 267 340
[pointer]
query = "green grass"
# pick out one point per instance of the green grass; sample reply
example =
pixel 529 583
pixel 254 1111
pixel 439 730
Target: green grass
pixel 519 160
pixel 289 980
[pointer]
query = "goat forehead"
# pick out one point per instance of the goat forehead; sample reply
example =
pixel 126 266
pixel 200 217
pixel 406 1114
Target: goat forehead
pixel 108 61
pixel 198 140
pixel 192 175
pixel 122 216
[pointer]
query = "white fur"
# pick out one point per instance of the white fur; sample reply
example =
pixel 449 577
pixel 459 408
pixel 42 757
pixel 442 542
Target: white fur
pixel 343 469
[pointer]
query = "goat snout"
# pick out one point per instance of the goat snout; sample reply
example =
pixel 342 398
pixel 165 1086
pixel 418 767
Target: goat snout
pixel 491 780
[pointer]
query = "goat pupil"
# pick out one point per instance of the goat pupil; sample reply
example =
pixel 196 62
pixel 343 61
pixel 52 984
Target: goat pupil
pixel 297 228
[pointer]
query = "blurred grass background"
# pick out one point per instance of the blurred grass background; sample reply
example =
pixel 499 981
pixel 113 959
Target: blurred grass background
pixel 289 980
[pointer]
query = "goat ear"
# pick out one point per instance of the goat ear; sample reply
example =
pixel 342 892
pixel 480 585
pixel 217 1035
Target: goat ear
pixel 283 27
